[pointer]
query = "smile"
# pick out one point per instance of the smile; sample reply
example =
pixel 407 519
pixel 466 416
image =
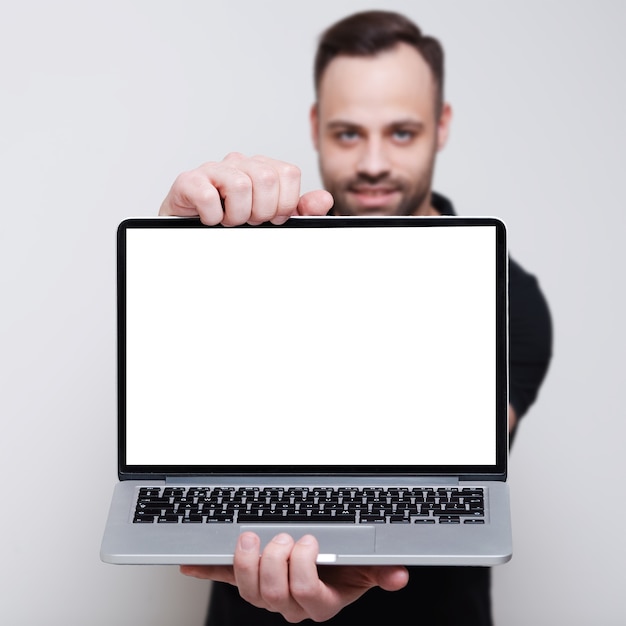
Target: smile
pixel 372 195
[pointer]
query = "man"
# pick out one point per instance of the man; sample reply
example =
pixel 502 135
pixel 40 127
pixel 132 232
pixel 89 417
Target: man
pixel 379 120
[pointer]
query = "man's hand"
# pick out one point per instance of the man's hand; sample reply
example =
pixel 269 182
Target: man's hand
pixel 285 579
pixel 240 189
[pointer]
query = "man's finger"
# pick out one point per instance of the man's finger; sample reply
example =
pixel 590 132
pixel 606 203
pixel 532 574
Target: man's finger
pixel 307 589
pixel 193 194
pixel 218 573
pixel 289 176
pixel 318 202
pixel 266 184
pixel 235 190
pixel 392 578
pixel 274 578
pixel 246 568
pixel 216 192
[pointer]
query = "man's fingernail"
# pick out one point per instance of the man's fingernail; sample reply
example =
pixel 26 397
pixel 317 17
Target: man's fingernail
pixel 247 542
pixel 282 539
pixel 307 540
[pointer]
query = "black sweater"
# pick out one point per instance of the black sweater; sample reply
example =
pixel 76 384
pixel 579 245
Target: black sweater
pixel 530 330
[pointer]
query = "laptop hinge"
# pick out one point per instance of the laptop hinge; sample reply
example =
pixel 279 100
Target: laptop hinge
pixel 186 480
pixel 450 480
pixel 380 480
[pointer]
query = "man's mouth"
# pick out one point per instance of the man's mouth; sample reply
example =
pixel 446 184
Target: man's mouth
pixel 373 195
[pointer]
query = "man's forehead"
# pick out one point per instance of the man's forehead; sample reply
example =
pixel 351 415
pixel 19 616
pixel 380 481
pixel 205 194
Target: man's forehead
pixel 398 78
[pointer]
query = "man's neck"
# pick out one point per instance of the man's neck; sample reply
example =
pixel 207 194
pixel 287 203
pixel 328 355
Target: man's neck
pixel 427 209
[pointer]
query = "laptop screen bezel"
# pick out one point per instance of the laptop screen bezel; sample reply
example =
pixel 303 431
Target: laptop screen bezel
pixel 497 471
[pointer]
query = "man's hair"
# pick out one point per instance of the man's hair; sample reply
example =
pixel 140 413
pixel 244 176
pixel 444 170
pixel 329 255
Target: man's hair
pixel 370 32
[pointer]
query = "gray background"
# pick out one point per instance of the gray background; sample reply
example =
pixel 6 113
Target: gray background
pixel 103 104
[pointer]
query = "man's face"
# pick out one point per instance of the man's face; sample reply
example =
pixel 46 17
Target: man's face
pixel 376 131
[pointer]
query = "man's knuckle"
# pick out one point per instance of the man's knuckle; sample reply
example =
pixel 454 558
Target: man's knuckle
pixel 185 180
pixel 260 216
pixel 302 593
pixel 267 177
pixel 275 597
pixel 240 183
pixel 252 599
pixel 318 617
pixel 243 567
pixel 209 218
pixel 234 156
pixel 293 617
pixel 207 194
pixel 291 172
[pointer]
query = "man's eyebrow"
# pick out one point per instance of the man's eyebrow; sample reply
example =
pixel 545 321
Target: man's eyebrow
pixel 406 122
pixel 342 124
pixel 400 123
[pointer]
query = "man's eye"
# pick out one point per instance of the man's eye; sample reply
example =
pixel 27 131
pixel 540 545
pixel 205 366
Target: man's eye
pixel 347 136
pixel 403 136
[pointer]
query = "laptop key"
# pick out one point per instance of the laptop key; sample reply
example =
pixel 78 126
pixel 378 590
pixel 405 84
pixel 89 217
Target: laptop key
pixel 318 516
pixel 369 518
pixel 148 509
pixel 463 512
pixel 294 493
pixel 220 518
pixel 346 517
pixel 471 494
pixel 309 506
pixel 332 506
pixel 272 519
pixel 381 508
pixel 153 500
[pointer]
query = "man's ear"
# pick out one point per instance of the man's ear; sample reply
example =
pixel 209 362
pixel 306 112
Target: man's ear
pixel 443 126
pixel 315 126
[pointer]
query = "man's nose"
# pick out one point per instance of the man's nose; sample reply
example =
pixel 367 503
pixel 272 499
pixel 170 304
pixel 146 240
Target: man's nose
pixel 373 160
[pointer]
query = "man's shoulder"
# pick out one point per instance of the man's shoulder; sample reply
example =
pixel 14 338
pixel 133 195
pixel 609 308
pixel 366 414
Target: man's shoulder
pixel 442 204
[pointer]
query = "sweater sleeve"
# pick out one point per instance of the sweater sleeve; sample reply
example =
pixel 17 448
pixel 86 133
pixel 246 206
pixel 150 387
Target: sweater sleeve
pixel 530 338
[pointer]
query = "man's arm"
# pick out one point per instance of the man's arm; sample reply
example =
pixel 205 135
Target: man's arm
pixel 284 578
pixel 530 341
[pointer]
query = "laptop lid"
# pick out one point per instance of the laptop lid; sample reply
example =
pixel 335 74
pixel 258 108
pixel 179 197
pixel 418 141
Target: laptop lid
pixel 325 346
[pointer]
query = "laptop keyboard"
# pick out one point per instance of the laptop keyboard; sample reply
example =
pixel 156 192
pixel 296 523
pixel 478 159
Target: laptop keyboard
pixel 211 505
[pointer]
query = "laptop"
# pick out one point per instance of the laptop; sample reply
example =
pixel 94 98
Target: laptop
pixel 339 376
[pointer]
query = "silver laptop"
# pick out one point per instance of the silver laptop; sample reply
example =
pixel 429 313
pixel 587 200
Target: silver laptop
pixel 344 377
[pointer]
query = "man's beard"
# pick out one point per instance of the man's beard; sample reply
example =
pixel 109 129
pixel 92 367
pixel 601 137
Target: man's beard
pixel 412 200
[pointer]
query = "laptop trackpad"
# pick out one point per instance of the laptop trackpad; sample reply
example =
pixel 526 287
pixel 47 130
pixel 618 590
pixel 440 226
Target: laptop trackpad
pixel 333 541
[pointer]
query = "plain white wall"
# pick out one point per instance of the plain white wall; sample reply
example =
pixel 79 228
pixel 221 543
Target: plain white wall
pixel 104 103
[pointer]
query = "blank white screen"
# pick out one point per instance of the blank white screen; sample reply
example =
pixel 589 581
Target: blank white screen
pixel 333 346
